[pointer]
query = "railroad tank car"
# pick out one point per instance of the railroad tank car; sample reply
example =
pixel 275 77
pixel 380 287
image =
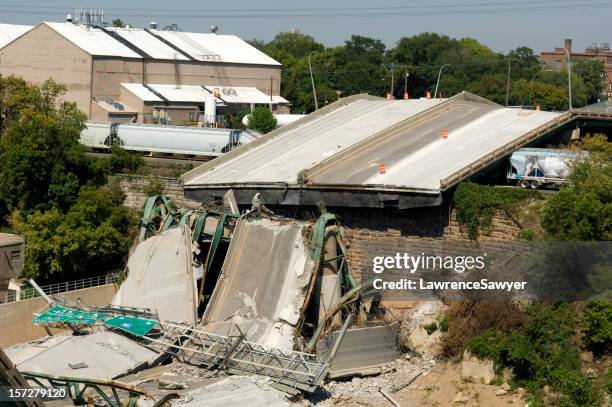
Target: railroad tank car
pixel 163 138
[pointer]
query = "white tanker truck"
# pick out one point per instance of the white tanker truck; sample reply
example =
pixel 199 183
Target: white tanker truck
pixel 541 167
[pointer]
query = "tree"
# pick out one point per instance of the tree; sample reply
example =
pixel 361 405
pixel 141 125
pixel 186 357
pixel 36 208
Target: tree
pixel 293 43
pixel 590 74
pixel 524 54
pixel 90 239
pixel 118 23
pixel 583 211
pixel 42 163
pixel 359 66
pixel 262 120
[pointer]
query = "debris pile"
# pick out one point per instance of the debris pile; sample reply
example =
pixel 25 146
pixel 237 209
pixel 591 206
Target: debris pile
pixel 252 295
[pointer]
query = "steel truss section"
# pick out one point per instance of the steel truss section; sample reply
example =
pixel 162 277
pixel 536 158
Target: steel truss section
pixel 291 369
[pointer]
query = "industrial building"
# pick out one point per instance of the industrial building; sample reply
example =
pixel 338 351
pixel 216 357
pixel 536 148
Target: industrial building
pixel 600 51
pixel 143 75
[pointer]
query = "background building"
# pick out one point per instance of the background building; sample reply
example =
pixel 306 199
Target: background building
pixel 101 66
pixel 557 60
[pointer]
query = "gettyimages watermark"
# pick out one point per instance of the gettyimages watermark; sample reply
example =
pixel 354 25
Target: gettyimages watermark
pixel 546 271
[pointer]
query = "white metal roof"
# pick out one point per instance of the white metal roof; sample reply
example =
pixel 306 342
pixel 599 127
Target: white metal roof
pixel 8 32
pixel 148 43
pixel 243 94
pixel 141 92
pixel 198 94
pixel 155 43
pixel 185 93
pixel 210 47
pixel 93 40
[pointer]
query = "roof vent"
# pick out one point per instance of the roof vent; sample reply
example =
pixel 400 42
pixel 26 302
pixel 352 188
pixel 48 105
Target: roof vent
pixel 153 25
pixel 69 18
pixel 213 29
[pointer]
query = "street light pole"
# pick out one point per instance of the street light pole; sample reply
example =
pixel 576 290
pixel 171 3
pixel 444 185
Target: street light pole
pixel 438 81
pixel 508 85
pixel 532 79
pixel 569 77
pixel 314 92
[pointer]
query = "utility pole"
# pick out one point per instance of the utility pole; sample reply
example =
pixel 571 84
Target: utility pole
pixel 406 84
pixel 392 79
pixel 314 92
pixel 569 77
pixel 508 85
pixel 438 81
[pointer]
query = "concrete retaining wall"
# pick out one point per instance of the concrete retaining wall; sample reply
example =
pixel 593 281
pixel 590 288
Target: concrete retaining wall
pixel 16 317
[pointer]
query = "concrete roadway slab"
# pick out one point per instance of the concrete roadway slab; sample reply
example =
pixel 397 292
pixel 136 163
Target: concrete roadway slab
pixel 261 288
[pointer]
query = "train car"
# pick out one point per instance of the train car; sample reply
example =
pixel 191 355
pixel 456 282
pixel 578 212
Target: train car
pixel 163 139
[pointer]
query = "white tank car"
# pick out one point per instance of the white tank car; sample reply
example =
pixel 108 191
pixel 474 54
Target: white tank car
pixel 162 138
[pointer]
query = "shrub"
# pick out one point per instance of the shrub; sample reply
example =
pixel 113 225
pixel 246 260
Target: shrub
pixel 123 161
pixel 154 187
pixel 597 325
pixel 476 204
pixel 262 120
pixel 467 319
pixel 443 325
pixel 575 215
pixel 430 328
pixel 543 352
pixel 526 234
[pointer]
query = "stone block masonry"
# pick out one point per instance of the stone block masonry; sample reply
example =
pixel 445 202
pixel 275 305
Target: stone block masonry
pixel 135 187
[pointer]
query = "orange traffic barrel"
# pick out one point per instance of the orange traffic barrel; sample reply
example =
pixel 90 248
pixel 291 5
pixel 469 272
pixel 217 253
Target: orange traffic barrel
pixel 382 169
pixel 444 133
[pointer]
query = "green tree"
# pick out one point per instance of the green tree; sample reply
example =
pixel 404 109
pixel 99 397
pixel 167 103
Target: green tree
pixel 262 120
pixel 294 43
pixel 90 239
pixel 524 54
pixel 42 163
pixel 359 66
pixel 117 22
pixel 583 211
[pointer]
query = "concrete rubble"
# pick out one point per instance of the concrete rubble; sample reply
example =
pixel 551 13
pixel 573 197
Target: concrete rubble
pixel 100 355
pixel 159 273
pixel 262 303
pixel 266 309
pixel 235 390
pixel 357 356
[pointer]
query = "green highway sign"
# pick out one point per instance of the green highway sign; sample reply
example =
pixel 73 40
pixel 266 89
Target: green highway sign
pixel 136 326
pixel 70 316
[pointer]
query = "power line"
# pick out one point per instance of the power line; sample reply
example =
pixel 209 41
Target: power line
pixel 330 13
pixel 318 9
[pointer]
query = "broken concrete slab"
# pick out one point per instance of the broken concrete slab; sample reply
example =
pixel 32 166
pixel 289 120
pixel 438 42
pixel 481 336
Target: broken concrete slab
pixel 101 355
pixel 235 390
pixel 262 284
pixel 363 351
pixel 160 277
